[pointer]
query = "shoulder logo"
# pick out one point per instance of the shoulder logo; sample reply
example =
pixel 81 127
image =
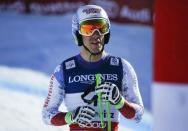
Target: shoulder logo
pixel 114 61
pixel 70 64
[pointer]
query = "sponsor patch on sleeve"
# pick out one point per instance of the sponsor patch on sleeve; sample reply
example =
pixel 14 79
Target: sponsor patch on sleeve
pixel 70 64
pixel 114 61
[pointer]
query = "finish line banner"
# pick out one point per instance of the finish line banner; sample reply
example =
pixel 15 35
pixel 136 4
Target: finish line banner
pixel 121 11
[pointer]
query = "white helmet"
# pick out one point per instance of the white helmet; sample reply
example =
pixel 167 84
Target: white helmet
pixel 88 12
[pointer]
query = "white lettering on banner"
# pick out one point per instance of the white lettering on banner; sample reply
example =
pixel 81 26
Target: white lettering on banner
pixel 14 5
pixel 111 7
pixel 91 78
pixel 138 15
pixel 58 7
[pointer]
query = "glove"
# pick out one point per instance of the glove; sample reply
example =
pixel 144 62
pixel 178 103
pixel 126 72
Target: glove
pixel 110 92
pixel 81 115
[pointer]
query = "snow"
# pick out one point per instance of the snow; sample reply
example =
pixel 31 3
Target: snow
pixel 30 48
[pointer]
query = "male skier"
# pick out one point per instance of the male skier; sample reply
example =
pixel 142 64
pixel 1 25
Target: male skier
pixel 74 80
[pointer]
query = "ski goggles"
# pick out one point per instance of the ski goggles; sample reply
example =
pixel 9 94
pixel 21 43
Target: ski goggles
pixel 88 27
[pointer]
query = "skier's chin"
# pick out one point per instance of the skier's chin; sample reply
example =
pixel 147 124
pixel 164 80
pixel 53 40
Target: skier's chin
pixel 97 51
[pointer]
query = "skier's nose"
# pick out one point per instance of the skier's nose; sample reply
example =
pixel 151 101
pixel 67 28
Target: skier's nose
pixel 96 33
pixel 96 38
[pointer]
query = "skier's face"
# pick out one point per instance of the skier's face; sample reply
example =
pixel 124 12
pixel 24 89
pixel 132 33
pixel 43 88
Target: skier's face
pixel 94 42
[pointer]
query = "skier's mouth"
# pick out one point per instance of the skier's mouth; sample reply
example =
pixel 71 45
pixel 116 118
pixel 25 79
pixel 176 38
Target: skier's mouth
pixel 96 44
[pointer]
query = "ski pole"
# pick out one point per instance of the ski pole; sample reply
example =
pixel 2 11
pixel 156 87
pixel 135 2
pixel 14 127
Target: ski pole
pixel 98 81
pixel 108 115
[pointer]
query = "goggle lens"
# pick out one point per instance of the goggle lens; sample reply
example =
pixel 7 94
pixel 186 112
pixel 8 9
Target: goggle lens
pixel 89 26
